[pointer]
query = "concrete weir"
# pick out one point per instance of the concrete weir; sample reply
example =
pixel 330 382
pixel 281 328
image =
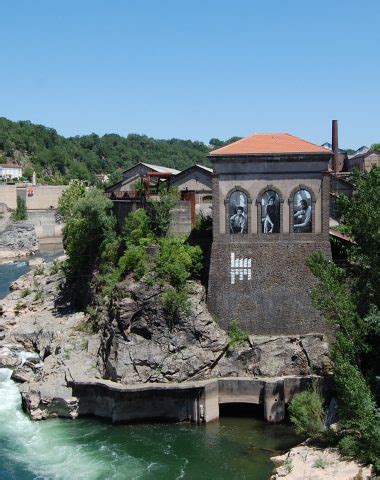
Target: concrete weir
pixel 196 401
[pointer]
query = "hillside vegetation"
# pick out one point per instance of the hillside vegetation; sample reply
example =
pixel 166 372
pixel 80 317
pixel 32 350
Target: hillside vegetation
pixel 57 159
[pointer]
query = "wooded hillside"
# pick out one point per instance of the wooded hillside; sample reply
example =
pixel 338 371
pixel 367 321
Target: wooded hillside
pixel 57 159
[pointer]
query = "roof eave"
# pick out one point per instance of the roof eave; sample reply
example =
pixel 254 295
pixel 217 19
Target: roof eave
pixel 268 154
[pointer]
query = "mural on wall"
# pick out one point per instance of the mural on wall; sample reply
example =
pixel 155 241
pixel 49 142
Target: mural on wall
pixel 240 268
pixel 238 212
pixel 302 212
pixel 270 212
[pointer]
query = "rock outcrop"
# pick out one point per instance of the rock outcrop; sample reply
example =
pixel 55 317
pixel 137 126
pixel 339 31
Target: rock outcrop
pixel 308 462
pixel 29 322
pixel 140 344
pixel 18 240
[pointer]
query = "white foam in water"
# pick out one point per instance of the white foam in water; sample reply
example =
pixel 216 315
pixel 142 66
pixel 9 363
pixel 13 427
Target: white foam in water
pixel 50 450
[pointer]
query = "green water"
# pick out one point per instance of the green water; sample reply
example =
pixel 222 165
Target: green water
pixel 89 449
pixel 94 450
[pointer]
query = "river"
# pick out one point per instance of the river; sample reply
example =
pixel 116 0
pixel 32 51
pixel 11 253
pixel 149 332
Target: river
pixel 89 449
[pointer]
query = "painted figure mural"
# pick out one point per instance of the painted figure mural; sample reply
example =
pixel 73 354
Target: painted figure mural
pixel 270 212
pixel 238 212
pixel 302 212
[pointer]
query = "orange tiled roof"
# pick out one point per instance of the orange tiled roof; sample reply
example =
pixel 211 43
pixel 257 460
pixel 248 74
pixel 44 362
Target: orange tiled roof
pixel 267 143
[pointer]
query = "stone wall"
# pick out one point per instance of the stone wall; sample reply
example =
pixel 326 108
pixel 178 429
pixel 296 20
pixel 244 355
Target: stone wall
pixel 273 294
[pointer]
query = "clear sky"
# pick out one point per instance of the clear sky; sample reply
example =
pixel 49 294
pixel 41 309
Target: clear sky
pixel 193 69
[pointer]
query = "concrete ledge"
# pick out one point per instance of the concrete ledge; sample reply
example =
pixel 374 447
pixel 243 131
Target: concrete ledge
pixel 196 401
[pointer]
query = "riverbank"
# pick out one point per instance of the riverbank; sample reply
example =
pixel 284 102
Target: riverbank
pixel 310 462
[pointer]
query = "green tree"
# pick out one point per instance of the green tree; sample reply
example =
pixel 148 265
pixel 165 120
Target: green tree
pixel 21 212
pixel 28 173
pixel 159 211
pixel 69 199
pixel 88 233
pixel 350 300
pixel 361 219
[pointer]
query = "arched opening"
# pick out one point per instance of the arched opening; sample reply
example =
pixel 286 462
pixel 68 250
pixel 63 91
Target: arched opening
pixel 270 212
pixel 302 212
pixel 238 212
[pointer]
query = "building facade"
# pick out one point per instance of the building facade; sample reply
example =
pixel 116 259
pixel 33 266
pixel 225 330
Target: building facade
pixel 10 171
pixel 270 212
pixel 195 184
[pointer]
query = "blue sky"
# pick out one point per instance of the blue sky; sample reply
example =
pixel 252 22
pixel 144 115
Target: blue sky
pixel 193 69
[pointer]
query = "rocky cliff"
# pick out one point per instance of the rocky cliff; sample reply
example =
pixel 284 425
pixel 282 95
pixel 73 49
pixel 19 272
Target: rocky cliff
pixel 139 344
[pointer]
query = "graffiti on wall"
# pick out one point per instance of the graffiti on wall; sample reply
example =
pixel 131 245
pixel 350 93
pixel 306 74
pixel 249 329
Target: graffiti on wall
pixel 241 268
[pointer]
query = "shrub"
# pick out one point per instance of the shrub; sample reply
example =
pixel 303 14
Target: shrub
pixel 39 294
pixel 25 292
pixel 177 261
pixel 55 267
pixel 236 334
pixel 307 413
pixel 20 213
pixel 137 228
pixel 175 303
pixel 39 270
pixel 18 307
pixel 134 260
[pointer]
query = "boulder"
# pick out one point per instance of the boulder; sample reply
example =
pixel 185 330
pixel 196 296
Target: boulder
pixel 9 358
pixel 27 372
pixel 48 400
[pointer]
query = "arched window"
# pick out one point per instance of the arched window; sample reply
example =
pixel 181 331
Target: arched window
pixel 270 212
pixel 302 212
pixel 238 212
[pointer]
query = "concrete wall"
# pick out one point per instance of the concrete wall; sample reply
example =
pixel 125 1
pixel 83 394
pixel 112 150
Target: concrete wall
pixel 45 225
pixel 180 223
pixel 39 197
pixel 43 196
pixel 188 401
pixel 8 195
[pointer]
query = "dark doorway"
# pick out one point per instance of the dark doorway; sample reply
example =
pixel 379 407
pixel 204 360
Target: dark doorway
pixel 241 410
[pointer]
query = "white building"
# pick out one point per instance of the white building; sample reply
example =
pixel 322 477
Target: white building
pixel 9 171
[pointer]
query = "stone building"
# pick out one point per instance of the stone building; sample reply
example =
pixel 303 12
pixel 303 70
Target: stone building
pixel 270 212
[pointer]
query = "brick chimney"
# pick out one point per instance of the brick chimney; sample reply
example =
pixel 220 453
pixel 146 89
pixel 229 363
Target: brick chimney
pixel 335 145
